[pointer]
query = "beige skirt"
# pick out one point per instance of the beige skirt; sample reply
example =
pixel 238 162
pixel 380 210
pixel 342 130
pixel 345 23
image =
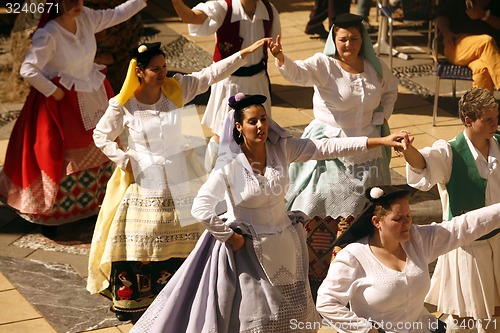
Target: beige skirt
pixel 466 281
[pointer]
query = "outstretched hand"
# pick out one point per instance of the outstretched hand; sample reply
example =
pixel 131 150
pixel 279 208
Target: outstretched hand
pixel 406 141
pixel 398 140
pixel 277 50
pixel 255 46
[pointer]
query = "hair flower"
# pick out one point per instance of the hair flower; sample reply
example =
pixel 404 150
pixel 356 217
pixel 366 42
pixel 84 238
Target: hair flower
pixel 142 48
pixel 376 192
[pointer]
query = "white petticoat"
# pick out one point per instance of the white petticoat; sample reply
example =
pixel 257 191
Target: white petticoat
pixel 466 281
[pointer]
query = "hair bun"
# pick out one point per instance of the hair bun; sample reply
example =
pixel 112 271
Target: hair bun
pixel 240 100
pixel 144 49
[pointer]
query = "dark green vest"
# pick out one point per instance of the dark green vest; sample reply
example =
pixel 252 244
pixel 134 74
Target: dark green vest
pixel 466 189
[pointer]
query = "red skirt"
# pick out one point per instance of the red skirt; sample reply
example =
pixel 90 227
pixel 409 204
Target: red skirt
pixel 53 172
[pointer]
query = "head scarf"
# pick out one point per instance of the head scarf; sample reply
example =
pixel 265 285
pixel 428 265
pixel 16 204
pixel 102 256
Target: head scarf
pixel 367 51
pixel 170 87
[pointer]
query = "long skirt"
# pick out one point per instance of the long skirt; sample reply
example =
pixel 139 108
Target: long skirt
pixel 53 172
pixel 135 228
pixel 217 290
pixel 333 188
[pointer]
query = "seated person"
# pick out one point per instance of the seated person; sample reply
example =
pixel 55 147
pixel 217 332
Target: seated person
pixel 471 38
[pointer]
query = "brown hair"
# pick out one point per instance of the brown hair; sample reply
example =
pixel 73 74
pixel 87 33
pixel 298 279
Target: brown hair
pixel 383 208
pixel 474 102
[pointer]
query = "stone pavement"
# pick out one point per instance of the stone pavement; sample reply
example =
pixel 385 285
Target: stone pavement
pixel 42 281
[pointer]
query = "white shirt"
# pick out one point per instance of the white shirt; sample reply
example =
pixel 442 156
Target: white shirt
pixel 387 296
pixel 259 199
pixel 56 52
pixel 343 100
pixel 119 117
pixel 251 28
pixel 439 160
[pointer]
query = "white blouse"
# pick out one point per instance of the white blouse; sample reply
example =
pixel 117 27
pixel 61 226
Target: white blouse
pixel 119 117
pixel 343 100
pixel 259 199
pixel 251 29
pixel 56 52
pixel 386 296
pixel 439 159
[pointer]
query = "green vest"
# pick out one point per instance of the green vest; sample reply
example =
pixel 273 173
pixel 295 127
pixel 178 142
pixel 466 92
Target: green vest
pixel 466 189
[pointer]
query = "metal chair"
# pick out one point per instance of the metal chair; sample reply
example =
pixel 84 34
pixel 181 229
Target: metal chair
pixel 412 10
pixel 445 71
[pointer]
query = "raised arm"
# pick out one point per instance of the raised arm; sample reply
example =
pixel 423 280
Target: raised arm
pixel 277 50
pixel 301 150
pixel 105 18
pixel 392 140
pixel 411 154
pixel 199 82
pixel 187 14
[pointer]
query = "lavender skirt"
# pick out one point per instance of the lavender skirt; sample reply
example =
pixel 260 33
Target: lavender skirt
pixel 218 290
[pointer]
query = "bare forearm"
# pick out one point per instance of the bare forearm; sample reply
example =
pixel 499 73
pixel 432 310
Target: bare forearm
pixel 443 24
pixel 187 14
pixel 414 158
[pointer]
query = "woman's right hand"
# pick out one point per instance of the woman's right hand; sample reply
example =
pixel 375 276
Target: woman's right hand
pixel 236 241
pixel 58 94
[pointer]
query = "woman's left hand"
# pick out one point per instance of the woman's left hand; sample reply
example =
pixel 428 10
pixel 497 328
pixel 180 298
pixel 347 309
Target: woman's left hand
pixel 277 50
pixel 236 241
pixel 406 141
pixel 394 140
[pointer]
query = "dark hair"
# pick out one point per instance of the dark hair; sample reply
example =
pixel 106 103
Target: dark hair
pixel 144 58
pixel 358 26
pixel 239 115
pixel 59 7
pixel 239 103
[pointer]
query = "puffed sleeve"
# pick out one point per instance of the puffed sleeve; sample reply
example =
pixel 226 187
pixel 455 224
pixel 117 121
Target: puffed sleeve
pixel 306 73
pixel 336 291
pixel 103 19
pixel 389 91
pixel 438 160
pixel 216 12
pixel 198 82
pixel 109 127
pixel 439 238
pixel 302 150
pixel 42 50
pixel 203 210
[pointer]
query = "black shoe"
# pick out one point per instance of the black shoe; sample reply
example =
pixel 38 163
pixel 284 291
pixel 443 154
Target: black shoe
pixel 120 315
pixel 317 30
pixel 49 231
pixel 123 316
